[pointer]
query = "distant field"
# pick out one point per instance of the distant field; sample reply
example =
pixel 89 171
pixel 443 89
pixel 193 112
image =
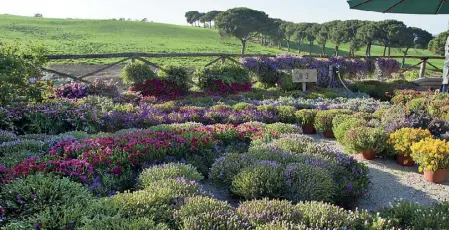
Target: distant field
pixel 74 36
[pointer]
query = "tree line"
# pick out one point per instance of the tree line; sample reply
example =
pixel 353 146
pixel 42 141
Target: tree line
pixel 247 24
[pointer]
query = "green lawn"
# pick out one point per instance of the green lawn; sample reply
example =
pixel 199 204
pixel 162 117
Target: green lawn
pixel 74 36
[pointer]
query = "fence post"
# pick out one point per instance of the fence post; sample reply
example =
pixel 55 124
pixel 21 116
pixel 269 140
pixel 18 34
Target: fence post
pixel 223 59
pixel 422 71
pixel 132 60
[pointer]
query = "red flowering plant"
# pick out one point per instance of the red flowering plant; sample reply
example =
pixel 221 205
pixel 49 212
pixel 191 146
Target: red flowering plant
pixel 224 79
pixel 159 88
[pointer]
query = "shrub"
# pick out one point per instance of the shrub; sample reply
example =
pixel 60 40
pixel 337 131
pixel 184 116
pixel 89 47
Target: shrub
pixel 160 88
pixel 286 114
pixel 282 128
pixel 341 128
pixel 362 139
pixel 318 215
pixel 103 88
pixel 157 201
pixel 179 75
pixel 431 154
pixel 11 153
pixel 269 152
pixel 35 194
pixel 168 171
pixel 323 119
pixel 122 223
pixel 305 116
pixel 404 138
pixel 137 72
pixel 269 108
pixel 6 136
pixel 243 105
pixel 438 127
pixel 308 182
pixel 72 90
pixel 223 78
pixel 294 143
pixel 264 211
pixel 261 180
pixel 281 225
pixel 401 213
pixel 201 212
pixel 226 167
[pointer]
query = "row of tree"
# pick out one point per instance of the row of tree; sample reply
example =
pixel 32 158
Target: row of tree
pixel 195 17
pixel 247 24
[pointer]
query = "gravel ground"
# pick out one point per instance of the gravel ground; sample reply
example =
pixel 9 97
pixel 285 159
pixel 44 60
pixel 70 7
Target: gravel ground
pixel 390 181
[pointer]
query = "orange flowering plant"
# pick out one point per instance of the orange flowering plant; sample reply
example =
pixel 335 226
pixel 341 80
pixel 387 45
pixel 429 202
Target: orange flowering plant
pixel 431 154
pixel 404 138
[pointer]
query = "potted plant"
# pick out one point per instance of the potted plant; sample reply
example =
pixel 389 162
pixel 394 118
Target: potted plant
pixel 366 141
pixel 323 121
pixel 306 118
pixel 432 155
pixel 403 139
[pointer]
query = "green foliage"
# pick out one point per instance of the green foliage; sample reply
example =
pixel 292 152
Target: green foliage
pixel 361 139
pixel 416 104
pixel 243 105
pixel 156 201
pixel 260 212
pixel 305 116
pixel 122 223
pixel 322 215
pixel 6 136
pixel 268 152
pixel 282 128
pixel 307 182
pixel 324 118
pixel 227 73
pixel 262 180
pixel 137 72
pixel 202 212
pixel 179 75
pixel 438 44
pixel 14 152
pixel 45 196
pixel 267 108
pixel 20 76
pixel 295 143
pixel 168 171
pixel 411 75
pixel 342 126
pixel 287 114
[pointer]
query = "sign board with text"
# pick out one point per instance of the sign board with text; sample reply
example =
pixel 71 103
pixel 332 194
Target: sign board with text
pixel 304 75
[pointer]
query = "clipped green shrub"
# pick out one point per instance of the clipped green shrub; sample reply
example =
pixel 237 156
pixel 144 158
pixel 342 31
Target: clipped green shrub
pixel 202 212
pixel 308 182
pixel 341 127
pixel 47 196
pixel 137 72
pixel 264 179
pixel 227 167
pixel 282 128
pixel 281 225
pixel 305 116
pixel 319 215
pixel 287 114
pixel 6 136
pixel 122 223
pixel 360 139
pixel 324 118
pixel 177 74
pixel 269 152
pixel 243 105
pixel 226 73
pixel 260 212
pixel 269 108
pixel 219 107
pixel 295 143
pixel 157 200
pixel 168 171
pixel 416 104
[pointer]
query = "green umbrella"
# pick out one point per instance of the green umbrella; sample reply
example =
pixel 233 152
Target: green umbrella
pixel 402 6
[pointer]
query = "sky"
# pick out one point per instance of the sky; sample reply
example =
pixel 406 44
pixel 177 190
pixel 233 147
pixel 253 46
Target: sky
pixel 172 11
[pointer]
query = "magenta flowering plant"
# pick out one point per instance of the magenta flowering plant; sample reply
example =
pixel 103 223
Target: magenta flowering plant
pixel 72 90
pixel 385 67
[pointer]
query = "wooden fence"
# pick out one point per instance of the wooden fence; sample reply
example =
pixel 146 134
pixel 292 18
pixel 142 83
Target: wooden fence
pixel 219 57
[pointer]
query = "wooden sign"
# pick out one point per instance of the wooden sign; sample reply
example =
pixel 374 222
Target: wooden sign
pixel 304 75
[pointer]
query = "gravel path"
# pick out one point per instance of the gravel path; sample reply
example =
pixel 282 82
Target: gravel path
pixel 390 181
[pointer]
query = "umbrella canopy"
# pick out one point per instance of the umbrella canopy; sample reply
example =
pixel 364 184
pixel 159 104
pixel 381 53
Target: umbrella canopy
pixel 402 6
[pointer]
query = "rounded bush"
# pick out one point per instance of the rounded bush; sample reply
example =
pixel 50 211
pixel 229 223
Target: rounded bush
pixel 177 74
pixel 264 211
pixel 294 143
pixel 37 194
pixel 202 212
pixel 6 136
pixel 137 72
pixel 269 152
pixel 261 180
pixel 226 167
pixel 158 200
pixel 225 75
pixel 18 146
pixel 281 225
pixel 124 223
pixel 287 114
pixel 243 105
pixel 168 171
pixel 438 126
pixel 308 182
pixel 269 108
pixel 322 215
pixel 341 128
pixel 305 116
pixel 323 119
pixel 282 128
pixel 361 139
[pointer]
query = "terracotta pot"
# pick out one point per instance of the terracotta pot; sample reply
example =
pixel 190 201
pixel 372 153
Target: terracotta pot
pixel 405 160
pixel 368 155
pixel 308 129
pixel 328 134
pixel 438 176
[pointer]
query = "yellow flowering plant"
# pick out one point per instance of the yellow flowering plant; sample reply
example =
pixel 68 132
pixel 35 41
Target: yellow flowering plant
pixel 431 154
pixel 404 138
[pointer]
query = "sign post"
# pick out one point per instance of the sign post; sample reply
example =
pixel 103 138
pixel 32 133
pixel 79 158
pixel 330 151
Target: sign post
pixel 304 76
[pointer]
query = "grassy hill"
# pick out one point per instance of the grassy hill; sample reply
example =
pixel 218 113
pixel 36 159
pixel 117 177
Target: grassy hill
pixel 75 36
